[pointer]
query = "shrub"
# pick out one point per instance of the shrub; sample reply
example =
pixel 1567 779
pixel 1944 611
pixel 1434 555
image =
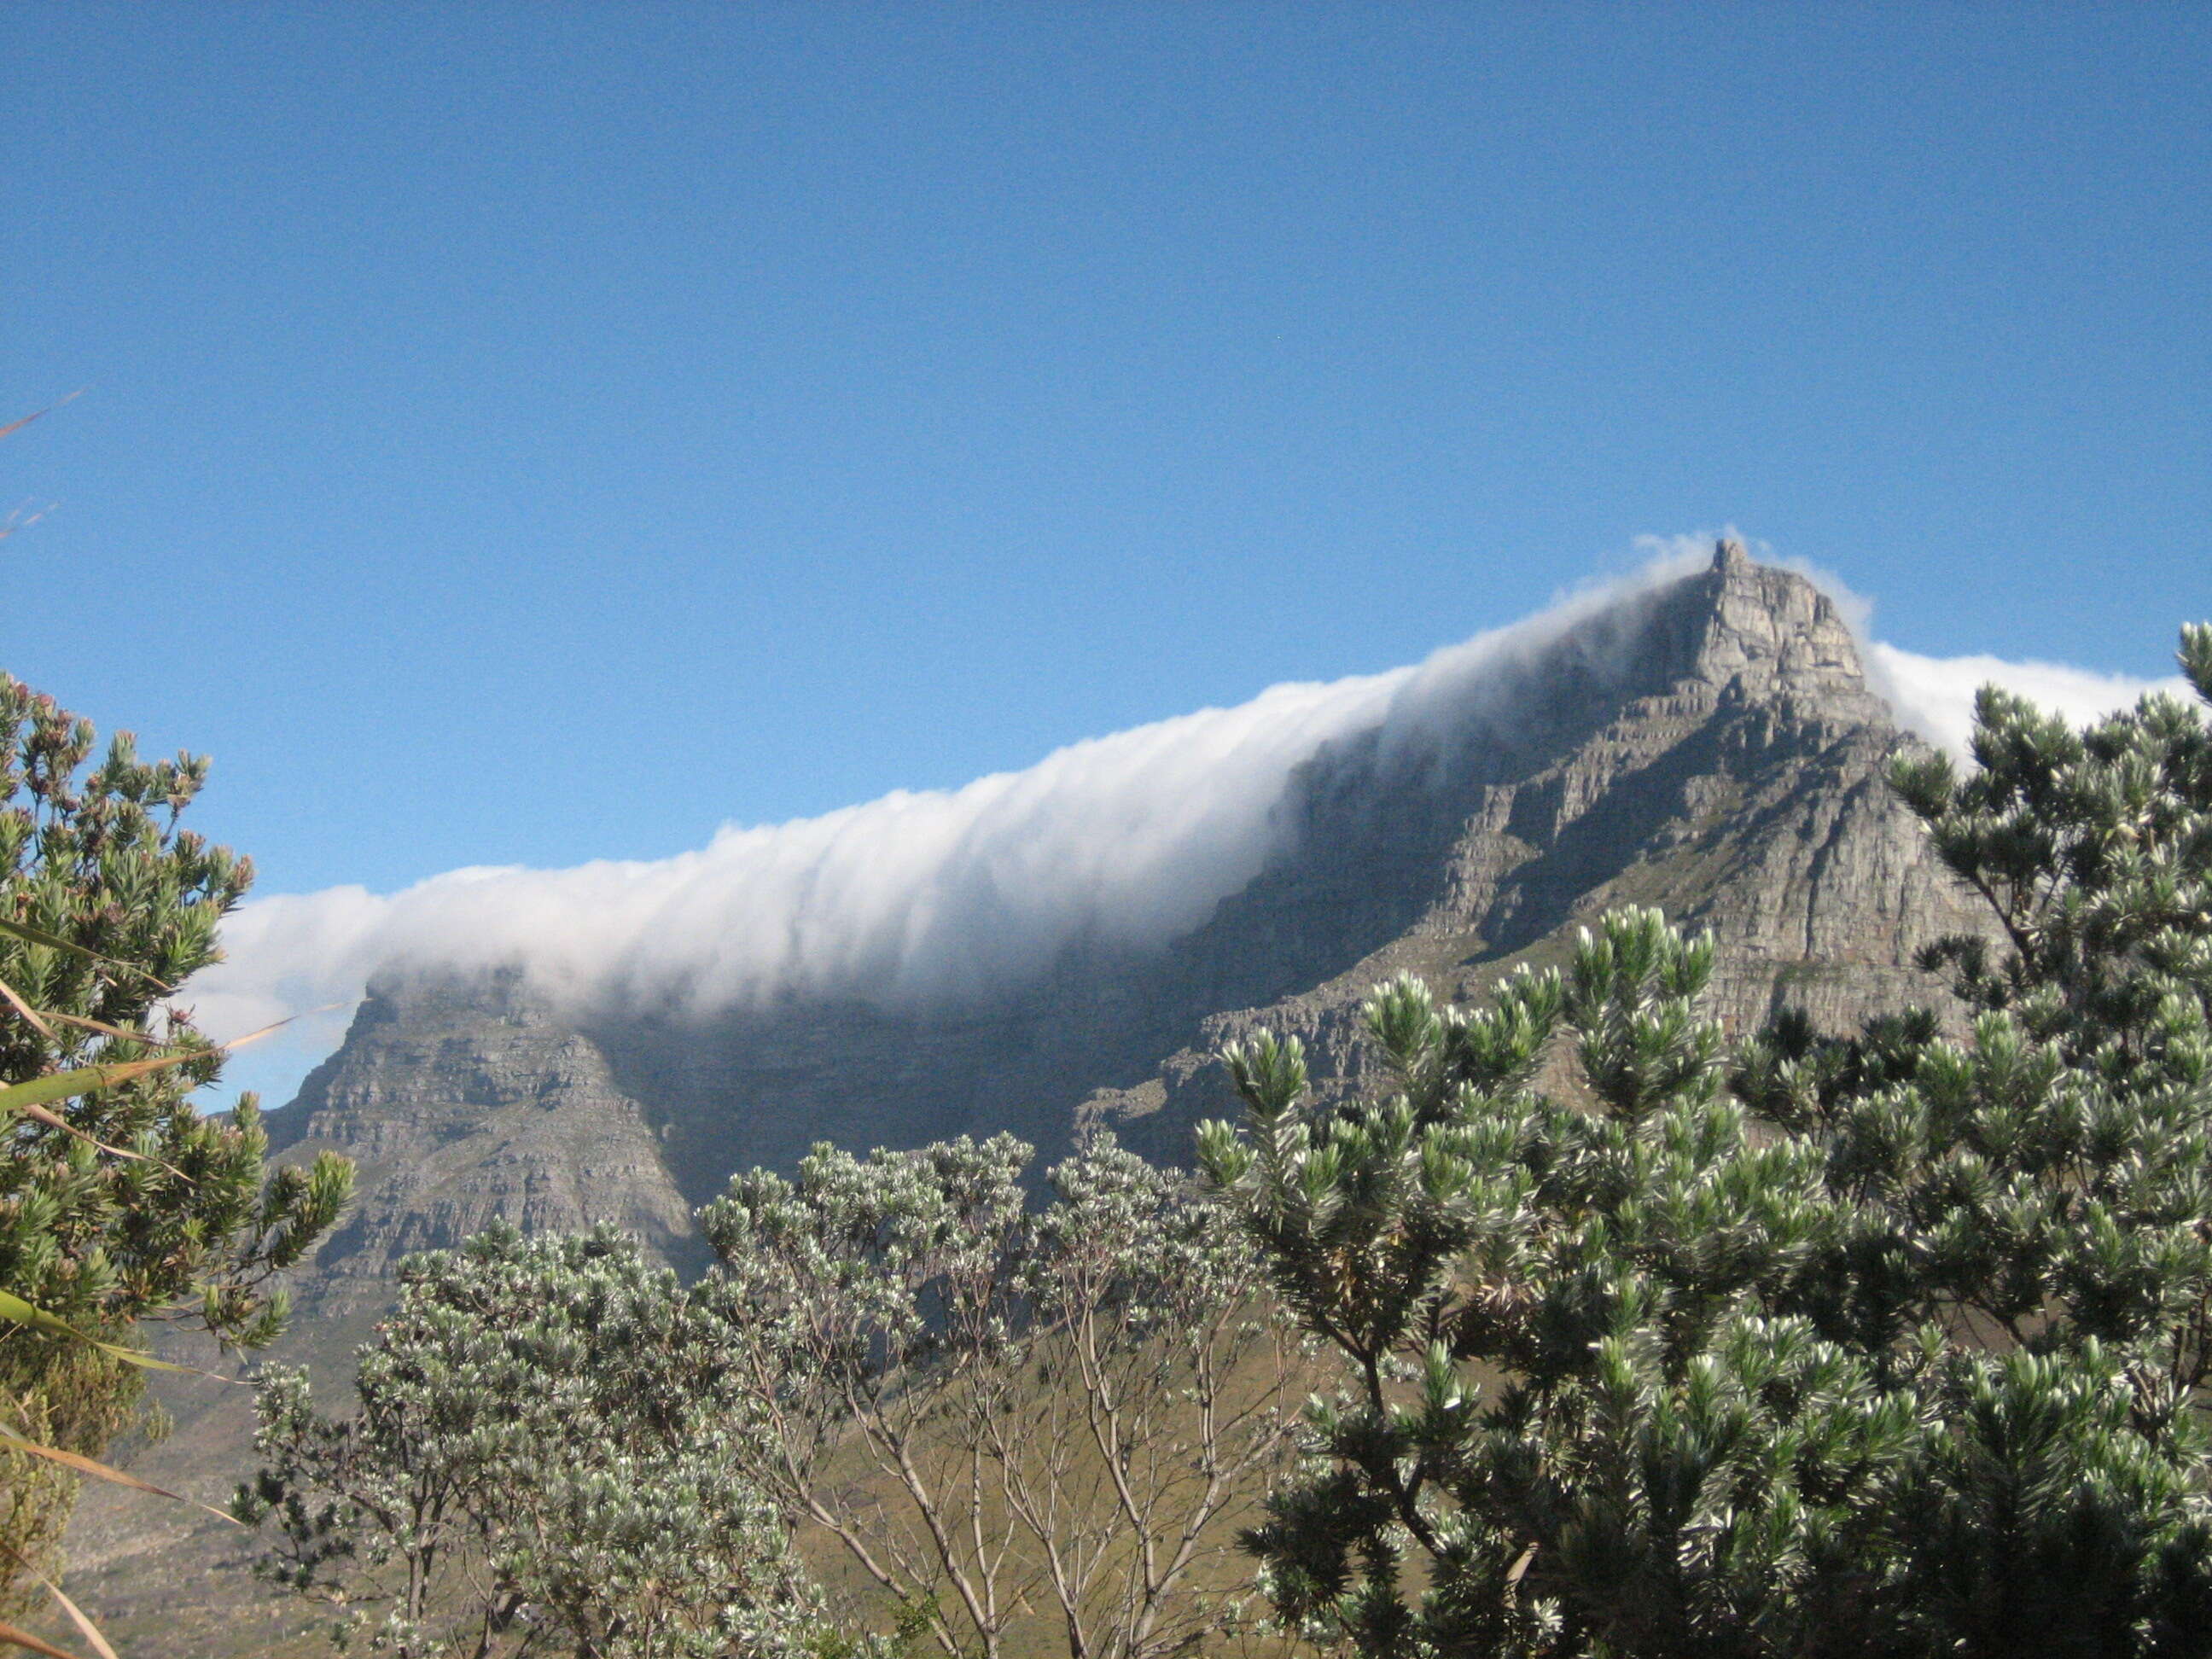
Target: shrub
pixel 119 1203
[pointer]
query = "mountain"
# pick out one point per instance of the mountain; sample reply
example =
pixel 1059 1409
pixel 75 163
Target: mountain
pixel 1711 746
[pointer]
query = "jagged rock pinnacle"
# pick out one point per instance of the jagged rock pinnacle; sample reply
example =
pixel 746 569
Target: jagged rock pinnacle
pixel 1775 635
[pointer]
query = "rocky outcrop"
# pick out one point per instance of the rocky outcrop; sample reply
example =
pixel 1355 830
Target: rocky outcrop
pixel 1719 755
pixel 463 1105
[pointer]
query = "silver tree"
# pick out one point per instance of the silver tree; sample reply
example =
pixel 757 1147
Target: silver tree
pixel 543 1464
pixel 992 1410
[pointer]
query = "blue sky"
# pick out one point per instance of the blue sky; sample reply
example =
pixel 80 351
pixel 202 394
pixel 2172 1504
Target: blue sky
pixel 522 434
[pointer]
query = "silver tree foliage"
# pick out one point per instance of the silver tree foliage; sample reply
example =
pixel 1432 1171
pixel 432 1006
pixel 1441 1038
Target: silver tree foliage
pixel 544 1461
pixel 995 1411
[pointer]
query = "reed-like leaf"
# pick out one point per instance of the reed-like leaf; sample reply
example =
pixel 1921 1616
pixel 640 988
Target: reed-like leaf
pixel 100 1470
pixel 76 1615
pixel 17 425
pixel 85 1627
pixel 31 1015
pixel 14 1309
pixel 54 1121
pixel 84 1080
pixel 101 1026
pixel 30 935
pixel 23 1638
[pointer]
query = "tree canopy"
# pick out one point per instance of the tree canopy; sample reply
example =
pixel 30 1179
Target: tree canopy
pixel 121 1202
pixel 545 1458
pixel 1642 1345
pixel 999 1410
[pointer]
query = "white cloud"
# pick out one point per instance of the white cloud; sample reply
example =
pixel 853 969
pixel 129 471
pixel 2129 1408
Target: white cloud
pixel 1934 697
pixel 923 896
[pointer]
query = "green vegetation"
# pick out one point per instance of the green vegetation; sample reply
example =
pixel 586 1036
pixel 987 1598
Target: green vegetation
pixel 1635 1345
pixel 547 1455
pixel 118 1203
pixel 1892 1344
pixel 999 1413
pixel 990 1411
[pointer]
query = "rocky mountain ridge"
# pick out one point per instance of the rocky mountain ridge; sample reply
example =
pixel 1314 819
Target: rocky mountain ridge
pixel 1711 746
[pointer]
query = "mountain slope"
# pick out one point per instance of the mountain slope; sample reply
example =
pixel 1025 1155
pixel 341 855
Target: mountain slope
pixel 1711 746
pixel 1734 776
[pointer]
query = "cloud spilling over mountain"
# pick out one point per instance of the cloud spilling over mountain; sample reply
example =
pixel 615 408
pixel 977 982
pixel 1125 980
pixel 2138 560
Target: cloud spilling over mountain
pixel 920 898
pixel 1934 697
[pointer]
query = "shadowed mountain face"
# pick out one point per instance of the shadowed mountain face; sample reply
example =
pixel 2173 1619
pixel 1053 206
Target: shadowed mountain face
pixel 1710 746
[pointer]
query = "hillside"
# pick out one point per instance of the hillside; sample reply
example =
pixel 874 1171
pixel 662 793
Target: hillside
pixel 1711 746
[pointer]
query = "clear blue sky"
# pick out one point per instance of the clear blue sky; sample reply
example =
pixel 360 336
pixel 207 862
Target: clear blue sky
pixel 523 433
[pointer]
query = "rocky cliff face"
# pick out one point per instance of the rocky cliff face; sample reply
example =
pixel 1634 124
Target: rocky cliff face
pixel 460 1105
pixel 1717 752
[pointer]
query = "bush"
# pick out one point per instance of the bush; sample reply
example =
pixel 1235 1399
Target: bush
pixel 546 1457
pixel 124 1203
pixel 1002 1413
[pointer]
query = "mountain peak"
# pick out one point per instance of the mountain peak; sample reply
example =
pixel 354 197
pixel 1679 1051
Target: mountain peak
pixel 1771 632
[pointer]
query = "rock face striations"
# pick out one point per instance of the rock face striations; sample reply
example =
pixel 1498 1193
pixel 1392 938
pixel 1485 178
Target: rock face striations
pixel 1710 746
pixel 462 1105
pixel 1714 751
